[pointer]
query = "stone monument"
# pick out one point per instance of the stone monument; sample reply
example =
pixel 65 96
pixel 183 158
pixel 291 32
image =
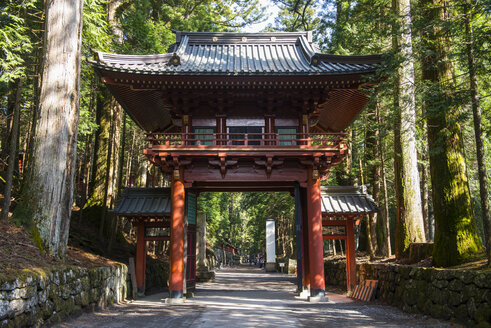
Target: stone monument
pixel 270 246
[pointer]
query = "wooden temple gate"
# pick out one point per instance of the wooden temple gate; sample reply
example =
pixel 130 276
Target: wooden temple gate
pixel 243 112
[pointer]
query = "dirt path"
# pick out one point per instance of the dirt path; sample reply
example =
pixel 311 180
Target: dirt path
pixel 248 297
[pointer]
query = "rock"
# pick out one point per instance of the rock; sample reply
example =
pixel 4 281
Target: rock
pixel 456 285
pixel 31 303
pixel 9 285
pixel 466 276
pixel 483 314
pixel 42 283
pixel 17 306
pixel 84 299
pixel 471 307
pixel 42 296
pixel 4 309
pixel 440 283
pixel 455 298
pixel 461 313
pixel 468 291
pixel 411 296
pixel 480 280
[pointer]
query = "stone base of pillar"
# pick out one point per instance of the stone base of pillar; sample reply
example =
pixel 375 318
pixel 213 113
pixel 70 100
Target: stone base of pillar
pixel 175 300
pixel 270 267
pixel 317 299
pixel 203 274
pixel 317 295
pixel 304 294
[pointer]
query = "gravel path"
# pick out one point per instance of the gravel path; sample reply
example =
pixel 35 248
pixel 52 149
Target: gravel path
pixel 248 297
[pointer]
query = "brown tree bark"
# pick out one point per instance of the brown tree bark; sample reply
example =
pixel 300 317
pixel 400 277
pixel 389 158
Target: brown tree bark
pixel 476 112
pixel 373 168
pixel 410 227
pixel 13 150
pixel 456 238
pixel 46 202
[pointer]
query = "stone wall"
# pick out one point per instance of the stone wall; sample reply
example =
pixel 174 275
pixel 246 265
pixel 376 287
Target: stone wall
pixel 458 295
pixel 156 276
pixel 36 298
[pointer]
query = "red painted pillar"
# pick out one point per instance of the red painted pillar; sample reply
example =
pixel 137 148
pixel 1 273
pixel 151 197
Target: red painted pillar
pixel 177 238
pixel 316 242
pixel 141 252
pixel 305 239
pixel 350 255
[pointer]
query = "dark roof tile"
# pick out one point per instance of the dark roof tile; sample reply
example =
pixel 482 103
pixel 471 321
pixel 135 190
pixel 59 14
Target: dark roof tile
pixel 240 54
pixel 349 200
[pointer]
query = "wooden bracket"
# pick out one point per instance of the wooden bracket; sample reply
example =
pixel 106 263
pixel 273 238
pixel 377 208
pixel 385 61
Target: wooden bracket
pixel 223 164
pixel 268 164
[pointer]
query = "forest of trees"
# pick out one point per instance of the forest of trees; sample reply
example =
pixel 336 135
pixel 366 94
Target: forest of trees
pixel 420 144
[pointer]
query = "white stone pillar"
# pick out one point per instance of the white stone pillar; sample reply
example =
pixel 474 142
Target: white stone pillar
pixel 270 246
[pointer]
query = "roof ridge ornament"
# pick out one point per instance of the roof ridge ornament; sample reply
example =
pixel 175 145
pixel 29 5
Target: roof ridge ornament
pixel 175 60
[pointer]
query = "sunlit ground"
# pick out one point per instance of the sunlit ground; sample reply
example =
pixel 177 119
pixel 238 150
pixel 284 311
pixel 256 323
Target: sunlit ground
pixel 248 297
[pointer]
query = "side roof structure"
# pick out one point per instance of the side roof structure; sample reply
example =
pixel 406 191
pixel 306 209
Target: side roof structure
pixel 338 201
pixel 144 202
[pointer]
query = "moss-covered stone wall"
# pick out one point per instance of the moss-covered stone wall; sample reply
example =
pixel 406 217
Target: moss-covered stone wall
pixel 458 295
pixel 36 298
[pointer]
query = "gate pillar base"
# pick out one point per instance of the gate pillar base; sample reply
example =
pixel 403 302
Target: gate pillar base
pixel 171 300
pixel 319 298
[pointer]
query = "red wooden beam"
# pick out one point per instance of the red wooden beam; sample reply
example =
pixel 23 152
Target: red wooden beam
pixel 327 223
pixel 334 237
pixel 162 238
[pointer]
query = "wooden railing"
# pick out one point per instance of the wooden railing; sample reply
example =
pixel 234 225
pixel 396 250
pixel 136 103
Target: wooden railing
pixel 245 140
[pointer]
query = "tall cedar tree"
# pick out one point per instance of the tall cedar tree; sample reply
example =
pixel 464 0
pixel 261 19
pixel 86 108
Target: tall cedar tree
pixel 456 238
pixel 476 113
pixel 47 198
pixel 409 220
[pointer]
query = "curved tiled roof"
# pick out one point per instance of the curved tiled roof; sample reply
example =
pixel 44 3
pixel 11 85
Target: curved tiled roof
pixel 144 202
pixel 240 54
pixel 346 200
pixel 335 201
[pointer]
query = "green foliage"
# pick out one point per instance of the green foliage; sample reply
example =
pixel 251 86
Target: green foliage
pixel 239 219
pixel 297 15
pixel 148 24
pixel 15 42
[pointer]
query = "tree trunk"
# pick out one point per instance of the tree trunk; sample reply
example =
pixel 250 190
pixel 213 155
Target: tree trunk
pixel 424 189
pixel 386 225
pixel 13 150
pixel 129 160
pixel 476 112
pixel 121 157
pixel 142 173
pixel 456 238
pixel 47 198
pixel 7 128
pixel 373 168
pixel 410 223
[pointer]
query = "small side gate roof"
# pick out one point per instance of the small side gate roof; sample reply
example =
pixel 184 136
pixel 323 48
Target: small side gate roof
pixel 144 202
pixel 346 201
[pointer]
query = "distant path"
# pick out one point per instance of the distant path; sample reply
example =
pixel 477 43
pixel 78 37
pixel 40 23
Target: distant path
pixel 247 297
